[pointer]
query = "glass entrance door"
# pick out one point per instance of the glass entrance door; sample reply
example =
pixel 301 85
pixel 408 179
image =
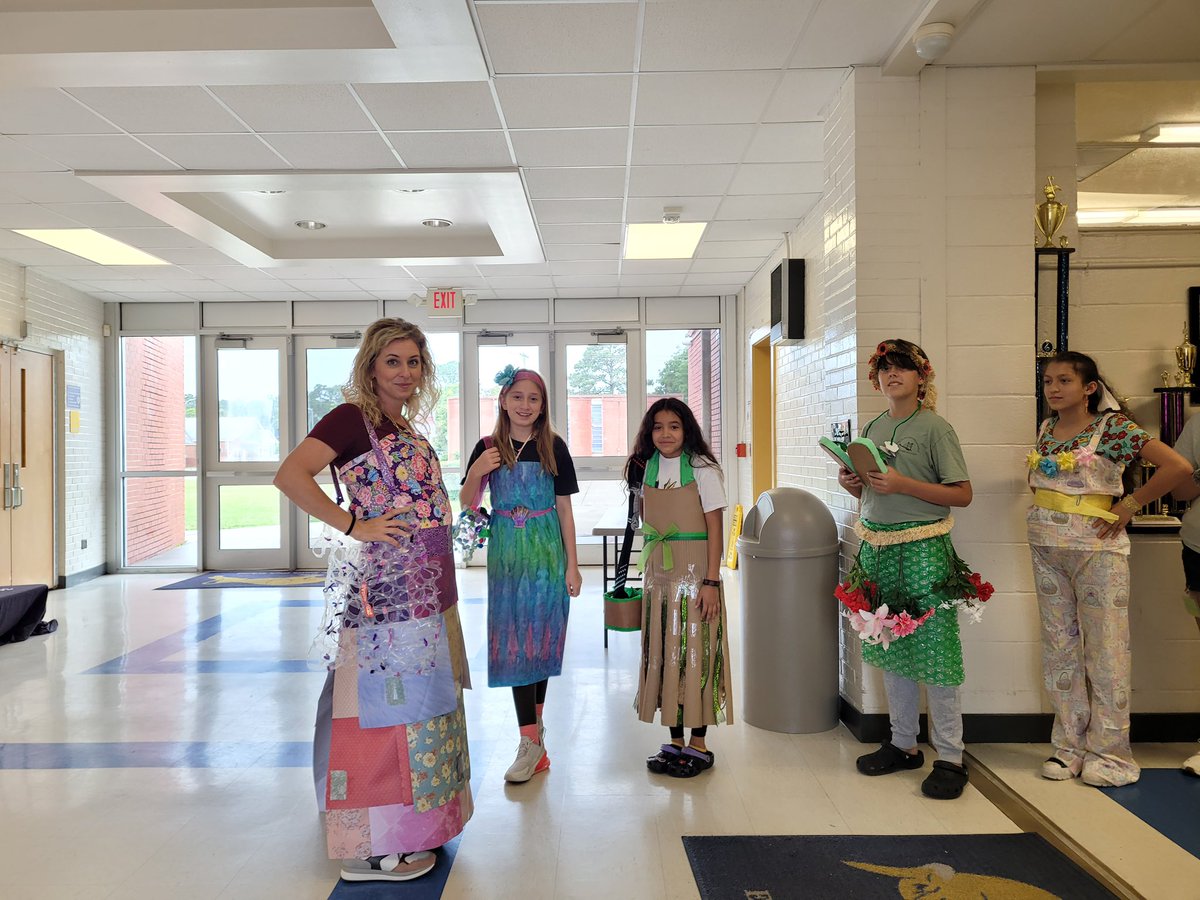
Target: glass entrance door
pixel 245 522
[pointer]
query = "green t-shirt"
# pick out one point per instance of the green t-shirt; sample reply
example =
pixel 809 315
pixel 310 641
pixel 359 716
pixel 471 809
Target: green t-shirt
pixel 929 451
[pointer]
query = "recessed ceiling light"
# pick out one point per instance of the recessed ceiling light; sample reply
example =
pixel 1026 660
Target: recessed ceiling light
pixel 310 224
pixel 1177 133
pixel 436 223
pixel 656 240
pixel 270 193
pixel 410 190
pixel 93 245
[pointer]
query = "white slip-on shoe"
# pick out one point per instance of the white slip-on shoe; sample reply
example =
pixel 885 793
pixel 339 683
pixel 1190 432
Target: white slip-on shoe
pixel 1056 770
pixel 529 755
pixel 396 867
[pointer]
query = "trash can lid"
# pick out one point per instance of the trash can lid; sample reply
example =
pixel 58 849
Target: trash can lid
pixel 788 523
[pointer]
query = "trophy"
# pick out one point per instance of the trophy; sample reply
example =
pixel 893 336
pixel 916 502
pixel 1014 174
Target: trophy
pixel 1185 358
pixel 1050 214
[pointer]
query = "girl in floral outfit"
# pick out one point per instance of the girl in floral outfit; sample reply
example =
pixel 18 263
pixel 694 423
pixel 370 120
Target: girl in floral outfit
pixel 1081 565
pixel 907 582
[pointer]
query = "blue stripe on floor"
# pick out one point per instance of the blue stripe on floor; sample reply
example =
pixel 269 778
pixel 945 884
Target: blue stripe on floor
pixel 427 887
pixel 158 755
pixel 1167 800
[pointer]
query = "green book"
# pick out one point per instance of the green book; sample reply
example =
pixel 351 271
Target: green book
pixel 860 456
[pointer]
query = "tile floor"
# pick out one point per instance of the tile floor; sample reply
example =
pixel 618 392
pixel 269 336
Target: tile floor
pixel 156 746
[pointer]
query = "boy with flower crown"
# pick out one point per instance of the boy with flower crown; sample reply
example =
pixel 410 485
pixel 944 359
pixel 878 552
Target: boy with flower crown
pixel 907 584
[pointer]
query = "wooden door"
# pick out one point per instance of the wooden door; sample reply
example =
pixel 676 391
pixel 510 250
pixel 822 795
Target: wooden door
pixel 30 465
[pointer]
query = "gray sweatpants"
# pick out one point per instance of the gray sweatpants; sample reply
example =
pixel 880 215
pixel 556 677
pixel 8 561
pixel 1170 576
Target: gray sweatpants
pixel 945 716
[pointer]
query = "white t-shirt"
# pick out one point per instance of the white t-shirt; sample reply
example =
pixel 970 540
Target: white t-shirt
pixel 1188 446
pixel 709 481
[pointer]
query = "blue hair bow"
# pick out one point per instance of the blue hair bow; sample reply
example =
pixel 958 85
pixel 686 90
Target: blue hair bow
pixel 506 376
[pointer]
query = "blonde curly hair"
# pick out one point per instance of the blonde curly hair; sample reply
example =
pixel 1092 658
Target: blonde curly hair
pixel 905 355
pixel 361 389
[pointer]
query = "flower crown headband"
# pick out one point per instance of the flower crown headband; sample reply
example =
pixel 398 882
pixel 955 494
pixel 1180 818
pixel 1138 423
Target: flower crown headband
pixel 922 365
pixel 510 374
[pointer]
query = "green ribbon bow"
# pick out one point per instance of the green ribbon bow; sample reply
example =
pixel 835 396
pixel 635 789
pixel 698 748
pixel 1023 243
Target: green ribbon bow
pixel 652 536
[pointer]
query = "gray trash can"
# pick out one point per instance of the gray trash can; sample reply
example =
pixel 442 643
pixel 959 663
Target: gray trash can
pixel 788 561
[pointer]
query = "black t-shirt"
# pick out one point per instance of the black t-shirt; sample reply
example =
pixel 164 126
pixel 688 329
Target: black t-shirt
pixel 565 482
pixel 342 430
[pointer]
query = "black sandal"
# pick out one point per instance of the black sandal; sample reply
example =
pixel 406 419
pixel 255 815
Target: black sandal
pixel 661 761
pixel 887 759
pixel 691 762
pixel 945 782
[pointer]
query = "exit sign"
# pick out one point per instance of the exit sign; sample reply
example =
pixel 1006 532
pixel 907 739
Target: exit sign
pixel 444 301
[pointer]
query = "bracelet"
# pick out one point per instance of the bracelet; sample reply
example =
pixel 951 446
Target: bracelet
pixel 1130 503
pixel 711 582
pixel 353 522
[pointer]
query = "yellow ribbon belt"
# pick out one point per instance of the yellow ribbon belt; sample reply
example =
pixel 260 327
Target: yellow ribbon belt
pixel 651 537
pixel 1095 505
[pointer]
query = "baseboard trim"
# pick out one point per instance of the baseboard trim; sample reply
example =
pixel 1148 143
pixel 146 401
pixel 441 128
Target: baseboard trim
pixel 1022 728
pixel 66 581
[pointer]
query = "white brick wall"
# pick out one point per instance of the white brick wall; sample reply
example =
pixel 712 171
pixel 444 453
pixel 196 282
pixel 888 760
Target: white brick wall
pixel 63 319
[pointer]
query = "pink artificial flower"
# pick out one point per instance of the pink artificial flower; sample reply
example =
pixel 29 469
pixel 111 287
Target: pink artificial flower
pixel 904 625
pixel 1084 456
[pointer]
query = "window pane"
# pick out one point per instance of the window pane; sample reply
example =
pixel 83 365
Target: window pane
pixel 597 400
pixel 159 394
pixel 160 522
pixel 248 405
pixel 491 360
pixel 687 365
pixel 327 371
pixel 444 429
pixel 249 516
pixel 595 498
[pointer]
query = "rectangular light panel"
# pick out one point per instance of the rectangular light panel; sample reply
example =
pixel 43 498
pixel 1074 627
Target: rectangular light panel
pixel 92 245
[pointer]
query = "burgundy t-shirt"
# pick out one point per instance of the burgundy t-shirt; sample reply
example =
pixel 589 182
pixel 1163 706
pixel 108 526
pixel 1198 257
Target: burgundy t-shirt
pixel 342 430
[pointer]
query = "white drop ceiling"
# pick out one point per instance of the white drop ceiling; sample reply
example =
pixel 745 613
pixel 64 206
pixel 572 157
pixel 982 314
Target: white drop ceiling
pixel 540 128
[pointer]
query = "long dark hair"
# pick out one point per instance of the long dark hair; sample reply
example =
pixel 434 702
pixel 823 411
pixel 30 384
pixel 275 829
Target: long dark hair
pixel 1087 370
pixel 694 444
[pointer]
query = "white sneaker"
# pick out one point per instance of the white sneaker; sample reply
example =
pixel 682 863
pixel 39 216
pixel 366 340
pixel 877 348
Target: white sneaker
pixel 529 755
pixel 1191 765
pixel 387 868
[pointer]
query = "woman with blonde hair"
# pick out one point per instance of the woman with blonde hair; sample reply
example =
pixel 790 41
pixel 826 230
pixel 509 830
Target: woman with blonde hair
pixel 390 757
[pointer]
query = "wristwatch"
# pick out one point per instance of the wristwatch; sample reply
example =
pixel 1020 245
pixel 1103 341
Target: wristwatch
pixel 711 582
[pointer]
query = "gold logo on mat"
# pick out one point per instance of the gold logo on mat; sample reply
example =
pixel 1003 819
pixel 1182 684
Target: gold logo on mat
pixel 281 581
pixel 941 881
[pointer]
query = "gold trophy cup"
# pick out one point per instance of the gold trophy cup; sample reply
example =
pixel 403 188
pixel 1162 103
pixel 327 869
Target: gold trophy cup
pixel 1185 358
pixel 1050 214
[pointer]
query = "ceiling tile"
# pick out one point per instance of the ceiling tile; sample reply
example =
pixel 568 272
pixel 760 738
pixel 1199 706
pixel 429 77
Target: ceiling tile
pixel 643 292
pixel 160 110
pixel 650 209
pixel 589 293
pixel 342 296
pixel 647 281
pixel 776 178
pixel 348 150
pixel 571 147
pixel 582 234
pixel 787 142
pixel 523 38
pixel 655 266
pixel 565 101
pixel 768 206
pixel 731 249
pixel 153 238
pixel 295 107
pixel 689 35
pixel 520 293
pixel 425 272
pixel 216 151
pixel 16 158
pixel 713 278
pixel 447 149
pixel 567 183
pixel 709 290
pixel 698 98
pixel 30 215
pixel 590 282
pixel 431 106
pixel 114 152
pixel 11 241
pixel 217 296
pixel 46 111
pixel 752 230
pixel 803 94
pixel 390 285
pixel 327 285
pixel 513 282
pixel 733 264
pixel 516 269
pixel 855 32
pixel 51 187
pixel 690 144
pixel 557 252
pixel 555 212
pixel 603 267
pixel 654 181
pixel 99 215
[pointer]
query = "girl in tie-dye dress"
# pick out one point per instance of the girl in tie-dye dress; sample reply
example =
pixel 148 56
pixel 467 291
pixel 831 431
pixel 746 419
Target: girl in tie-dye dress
pixel 390 757
pixel 1081 565
pixel 532 566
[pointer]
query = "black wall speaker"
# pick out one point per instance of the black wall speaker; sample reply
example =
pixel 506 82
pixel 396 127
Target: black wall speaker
pixel 787 304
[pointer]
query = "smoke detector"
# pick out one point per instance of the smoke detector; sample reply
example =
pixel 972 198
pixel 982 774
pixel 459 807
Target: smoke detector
pixel 672 214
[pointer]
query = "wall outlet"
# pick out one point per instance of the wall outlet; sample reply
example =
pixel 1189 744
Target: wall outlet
pixel 840 431
pixel 83 544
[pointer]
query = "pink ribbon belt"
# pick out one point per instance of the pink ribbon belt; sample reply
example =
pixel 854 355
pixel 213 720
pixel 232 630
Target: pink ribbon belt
pixel 521 514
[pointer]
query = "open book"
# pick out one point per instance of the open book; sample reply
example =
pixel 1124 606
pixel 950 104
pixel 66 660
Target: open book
pixel 860 456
